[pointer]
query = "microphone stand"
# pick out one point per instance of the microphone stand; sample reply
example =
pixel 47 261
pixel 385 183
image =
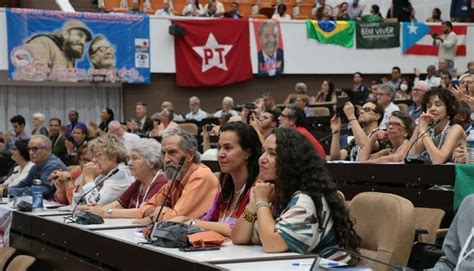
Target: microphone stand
pixel 168 193
pixel 411 160
pixel 73 215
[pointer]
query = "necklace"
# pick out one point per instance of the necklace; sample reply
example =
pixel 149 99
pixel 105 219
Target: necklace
pixel 240 191
pixel 225 218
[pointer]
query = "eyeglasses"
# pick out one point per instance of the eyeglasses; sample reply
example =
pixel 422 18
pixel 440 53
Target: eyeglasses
pixel 368 109
pixel 35 149
pixel 381 94
pixel 395 124
pixel 103 49
pixel 97 155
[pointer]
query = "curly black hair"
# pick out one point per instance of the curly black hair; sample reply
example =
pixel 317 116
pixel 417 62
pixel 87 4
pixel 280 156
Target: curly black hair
pixel 300 169
pixel 452 105
pixel 248 141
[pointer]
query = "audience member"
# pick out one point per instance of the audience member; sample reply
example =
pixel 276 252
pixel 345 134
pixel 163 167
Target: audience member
pixel 234 12
pixel 463 117
pixel 162 121
pixel 169 105
pixel 431 79
pixel 18 133
pixel 267 122
pixel 192 8
pixel 211 11
pixel 325 9
pixel 218 5
pixel 326 94
pixel 358 83
pixel 227 104
pixel 447 44
pixel 79 137
pixel 300 88
pixel 115 128
pixel 196 113
pixel 435 16
pixel 403 93
pixel 396 78
pixel 39 148
pixel 38 122
pixel 401 9
pixel 106 116
pixel 302 101
pixel 294 118
pixel 145 163
pixel 460 10
pixel 165 10
pixel 385 97
pixel 343 12
pixel 446 80
pixel 280 14
pixel 238 155
pixel 196 185
pixel 58 139
pixel 419 89
pixel 399 130
pixel 355 10
pixel 362 128
pixel 374 16
pixel 310 216
pixel 439 135
pixel 268 101
pixel 23 165
pixel 74 122
pixel 142 124
pixel 108 154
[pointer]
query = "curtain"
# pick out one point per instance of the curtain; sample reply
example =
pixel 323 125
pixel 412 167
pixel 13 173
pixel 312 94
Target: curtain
pixel 57 101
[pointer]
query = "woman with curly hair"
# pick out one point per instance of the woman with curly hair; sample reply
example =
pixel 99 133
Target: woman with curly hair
pixel 296 208
pixel 439 135
pixel 239 150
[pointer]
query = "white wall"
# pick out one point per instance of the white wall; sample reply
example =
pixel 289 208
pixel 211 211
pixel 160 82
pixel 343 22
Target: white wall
pixel 302 56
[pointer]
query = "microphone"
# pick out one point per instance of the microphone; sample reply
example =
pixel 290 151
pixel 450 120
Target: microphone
pixel 112 173
pixel 315 266
pixel 173 181
pixel 418 160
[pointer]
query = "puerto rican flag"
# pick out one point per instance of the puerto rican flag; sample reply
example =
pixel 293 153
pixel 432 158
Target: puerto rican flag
pixel 417 38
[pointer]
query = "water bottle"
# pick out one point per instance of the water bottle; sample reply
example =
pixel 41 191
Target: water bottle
pixel 470 147
pixel 37 193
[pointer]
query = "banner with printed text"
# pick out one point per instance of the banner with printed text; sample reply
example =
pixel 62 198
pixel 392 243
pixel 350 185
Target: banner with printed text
pixel 377 35
pixel 48 45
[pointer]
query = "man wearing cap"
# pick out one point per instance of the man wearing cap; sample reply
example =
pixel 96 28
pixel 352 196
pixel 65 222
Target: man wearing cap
pixel 60 50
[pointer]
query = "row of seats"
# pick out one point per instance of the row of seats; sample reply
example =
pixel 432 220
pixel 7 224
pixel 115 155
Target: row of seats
pixel 245 6
pixel 17 263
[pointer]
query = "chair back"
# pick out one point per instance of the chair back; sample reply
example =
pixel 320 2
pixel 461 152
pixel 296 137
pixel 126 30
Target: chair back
pixel 6 254
pixel 428 219
pixel 192 128
pixel 21 263
pixel 386 224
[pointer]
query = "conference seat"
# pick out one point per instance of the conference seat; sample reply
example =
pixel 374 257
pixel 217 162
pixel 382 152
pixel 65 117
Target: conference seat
pixel 386 224
pixel 192 128
pixel 428 219
pixel 321 111
pixel 109 5
pixel 21 263
pixel 6 253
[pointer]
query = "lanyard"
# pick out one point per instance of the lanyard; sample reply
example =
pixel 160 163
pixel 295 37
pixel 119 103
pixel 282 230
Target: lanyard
pixel 137 203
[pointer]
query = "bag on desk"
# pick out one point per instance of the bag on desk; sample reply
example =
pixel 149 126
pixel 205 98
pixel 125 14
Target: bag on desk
pixel 170 234
pixel 206 239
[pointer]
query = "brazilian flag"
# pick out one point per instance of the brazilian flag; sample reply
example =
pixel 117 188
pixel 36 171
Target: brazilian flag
pixel 334 32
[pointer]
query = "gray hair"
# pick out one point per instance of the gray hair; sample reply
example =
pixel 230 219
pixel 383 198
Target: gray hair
pixel 423 85
pixel 194 98
pixel 188 141
pixel 44 140
pixel 301 87
pixel 40 116
pixel 150 149
pixel 111 145
pixel 387 89
pixel 229 99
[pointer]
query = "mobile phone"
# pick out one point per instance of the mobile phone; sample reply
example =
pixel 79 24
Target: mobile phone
pixel 192 249
pixel 455 83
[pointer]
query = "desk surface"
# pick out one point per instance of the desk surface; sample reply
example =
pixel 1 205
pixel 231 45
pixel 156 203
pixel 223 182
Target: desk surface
pixel 108 223
pixel 281 265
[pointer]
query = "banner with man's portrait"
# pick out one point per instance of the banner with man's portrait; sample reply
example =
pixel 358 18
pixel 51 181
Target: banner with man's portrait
pixel 271 60
pixel 49 45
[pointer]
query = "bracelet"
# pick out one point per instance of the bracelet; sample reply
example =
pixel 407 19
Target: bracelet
pixel 249 216
pixel 193 222
pixel 262 204
pixel 351 120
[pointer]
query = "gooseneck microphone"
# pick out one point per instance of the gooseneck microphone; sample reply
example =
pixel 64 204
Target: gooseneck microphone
pixel 315 266
pixel 112 173
pixel 416 160
pixel 168 193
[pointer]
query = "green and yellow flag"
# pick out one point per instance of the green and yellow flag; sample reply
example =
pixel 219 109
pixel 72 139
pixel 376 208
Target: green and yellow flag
pixel 334 32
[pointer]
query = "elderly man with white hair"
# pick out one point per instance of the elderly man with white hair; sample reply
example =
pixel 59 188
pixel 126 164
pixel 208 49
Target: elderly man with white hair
pixel 38 121
pixel 417 93
pixel 227 104
pixel 115 128
pixel 196 113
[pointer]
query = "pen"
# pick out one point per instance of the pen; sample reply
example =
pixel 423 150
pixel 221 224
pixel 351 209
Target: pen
pixel 300 264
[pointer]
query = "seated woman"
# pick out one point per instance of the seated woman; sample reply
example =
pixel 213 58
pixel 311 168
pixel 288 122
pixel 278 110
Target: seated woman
pixel 79 138
pixel 108 154
pixel 21 156
pixel 399 129
pixel 326 95
pixel 192 8
pixel 439 137
pixel 297 207
pixel 238 155
pixel 162 121
pixel 302 101
pixel 144 162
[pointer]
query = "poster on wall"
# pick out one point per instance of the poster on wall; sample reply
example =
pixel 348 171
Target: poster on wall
pixel 271 60
pixel 49 45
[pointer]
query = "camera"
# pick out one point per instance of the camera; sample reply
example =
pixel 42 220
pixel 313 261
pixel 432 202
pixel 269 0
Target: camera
pixel 208 127
pixel 250 106
pixel 434 35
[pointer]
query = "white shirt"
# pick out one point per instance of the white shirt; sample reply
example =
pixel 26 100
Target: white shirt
pixel 387 114
pixel 198 115
pixel 19 174
pixel 232 112
pixel 285 17
pixel 164 13
pixel 447 48
pixel 433 81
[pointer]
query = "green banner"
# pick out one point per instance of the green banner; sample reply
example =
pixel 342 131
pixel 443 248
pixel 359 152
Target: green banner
pixel 377 35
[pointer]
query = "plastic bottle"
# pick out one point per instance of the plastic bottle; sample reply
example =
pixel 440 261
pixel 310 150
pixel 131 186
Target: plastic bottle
pixel 470 148
pixel 37 193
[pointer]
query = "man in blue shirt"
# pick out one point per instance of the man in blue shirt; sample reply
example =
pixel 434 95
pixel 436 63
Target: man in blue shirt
pixel 39 148
pixel 74 119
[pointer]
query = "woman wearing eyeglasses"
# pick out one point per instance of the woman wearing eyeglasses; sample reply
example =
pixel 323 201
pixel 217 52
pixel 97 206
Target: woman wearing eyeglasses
pixel 144 162
pixel 23 165
pixel 437 135
pixel 400 127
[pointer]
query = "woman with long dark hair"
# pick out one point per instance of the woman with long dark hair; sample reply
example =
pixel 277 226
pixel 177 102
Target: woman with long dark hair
pixel 239 150
pixel 326 95
pixel 296 207
pixel 106 116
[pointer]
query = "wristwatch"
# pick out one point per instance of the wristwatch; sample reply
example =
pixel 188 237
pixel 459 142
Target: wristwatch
pixel 109 211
